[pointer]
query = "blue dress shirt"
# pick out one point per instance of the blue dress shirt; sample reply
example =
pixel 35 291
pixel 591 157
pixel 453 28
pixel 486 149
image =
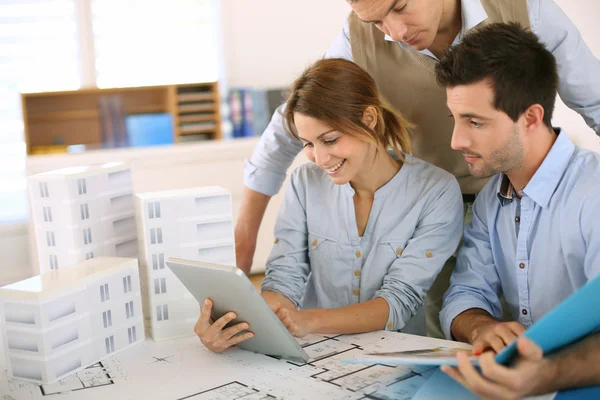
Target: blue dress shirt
pixel 536 250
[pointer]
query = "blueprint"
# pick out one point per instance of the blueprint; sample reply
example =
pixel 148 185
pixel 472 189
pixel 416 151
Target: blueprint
pixel 184 369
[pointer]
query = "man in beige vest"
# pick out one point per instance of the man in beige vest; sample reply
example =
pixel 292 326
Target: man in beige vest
pixel 399 43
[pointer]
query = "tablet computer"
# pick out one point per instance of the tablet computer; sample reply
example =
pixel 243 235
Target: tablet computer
pixel 230 290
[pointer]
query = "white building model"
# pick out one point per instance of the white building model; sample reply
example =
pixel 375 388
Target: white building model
pixel 81 213
pixel 62 321
pixel 194 224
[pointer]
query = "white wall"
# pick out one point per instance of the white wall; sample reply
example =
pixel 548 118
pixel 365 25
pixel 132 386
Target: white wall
pixel 269 42
pixel 584 15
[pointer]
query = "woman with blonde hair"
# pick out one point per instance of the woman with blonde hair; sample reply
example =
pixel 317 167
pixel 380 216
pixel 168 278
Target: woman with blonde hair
pixel 362 232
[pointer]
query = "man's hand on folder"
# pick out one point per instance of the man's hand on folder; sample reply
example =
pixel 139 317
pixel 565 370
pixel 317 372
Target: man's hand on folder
pixel 495 336
pixel 528 376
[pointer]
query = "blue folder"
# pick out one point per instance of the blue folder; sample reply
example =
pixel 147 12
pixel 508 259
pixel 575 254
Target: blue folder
pixel 577 316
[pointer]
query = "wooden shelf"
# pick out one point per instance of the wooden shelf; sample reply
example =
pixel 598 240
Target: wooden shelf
pixel 191 97
pixel 60 119
pixel 196 118
pixel 191 108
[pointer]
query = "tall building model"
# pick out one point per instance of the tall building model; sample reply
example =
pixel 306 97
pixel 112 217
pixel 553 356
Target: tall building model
pixel 194 224
pixel 81 213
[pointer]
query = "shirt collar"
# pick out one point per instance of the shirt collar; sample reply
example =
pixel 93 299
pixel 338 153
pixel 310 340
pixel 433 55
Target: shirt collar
pixel 391 185
pixel 544 182
pixel 473 14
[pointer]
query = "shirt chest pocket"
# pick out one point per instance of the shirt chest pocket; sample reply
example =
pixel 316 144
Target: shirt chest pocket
pixel 322 251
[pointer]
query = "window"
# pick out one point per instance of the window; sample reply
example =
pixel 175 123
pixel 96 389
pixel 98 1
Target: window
pixel 44 189
pixel 156 236
pixel 81 186
pixel 107 318
pixel 50 239
pixel 104 294
pixel 127 284
pixel 162 312
pixel 89 256
pixel 158 261
pixel 131 334
pixel 129 310
pixel 85 211
pixel 160 286
pixel 154 50
pixel 87 236
pixel 110 344
pixel 154 210
pixel 53 262
pixel 47 214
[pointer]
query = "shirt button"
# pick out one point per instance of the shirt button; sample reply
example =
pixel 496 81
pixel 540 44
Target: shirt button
pixel 390 325
pixel 524 311
pixel 399 252
pixel 275 241
pixel 517 219
pixel 355 291
pixel 314 242
pixel 522 265
pixel 429 254
pixel 358 254
pixel 357 272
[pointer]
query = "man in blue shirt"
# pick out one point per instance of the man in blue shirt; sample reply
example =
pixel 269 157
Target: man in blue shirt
pixel 534 237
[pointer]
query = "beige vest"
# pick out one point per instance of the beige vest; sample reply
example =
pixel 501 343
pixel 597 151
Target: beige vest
pixel 406 79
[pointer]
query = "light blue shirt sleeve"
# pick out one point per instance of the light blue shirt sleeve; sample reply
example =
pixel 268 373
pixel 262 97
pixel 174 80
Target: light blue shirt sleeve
pixel 475 282
pixel 265 171
pixel 578 68
pixel 435 239
pixel 288 265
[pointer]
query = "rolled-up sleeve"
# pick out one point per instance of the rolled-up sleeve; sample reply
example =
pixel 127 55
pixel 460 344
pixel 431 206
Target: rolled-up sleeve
pixel 265 171
pixel 475 282
pixel 288 265
pixel 435 239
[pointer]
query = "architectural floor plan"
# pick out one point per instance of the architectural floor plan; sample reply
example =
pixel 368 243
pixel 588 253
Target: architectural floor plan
pixel 184 369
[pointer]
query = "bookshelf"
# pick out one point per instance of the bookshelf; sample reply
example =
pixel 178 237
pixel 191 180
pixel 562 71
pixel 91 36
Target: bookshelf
pixel 54 120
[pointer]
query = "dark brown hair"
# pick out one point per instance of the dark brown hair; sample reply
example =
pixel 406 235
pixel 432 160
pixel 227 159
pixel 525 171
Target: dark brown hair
pixel 520 69
pixel 337 92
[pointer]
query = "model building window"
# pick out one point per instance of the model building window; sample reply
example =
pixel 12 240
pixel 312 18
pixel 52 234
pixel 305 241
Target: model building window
pixel 81 186
pixel 87 236
pixel 160 286
pixel 127 284
pixel 110 344
pixel 156 236
pixel 85 211
pixel 44 189
pixel 107 318
pixel 162 312
pixel 89 256
pixel 47 214
pixel 131 334
pixel 158 261
pixel 129 309
pixel 50 239
pixel 104 294
pixel 53 262
pixel 154 210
